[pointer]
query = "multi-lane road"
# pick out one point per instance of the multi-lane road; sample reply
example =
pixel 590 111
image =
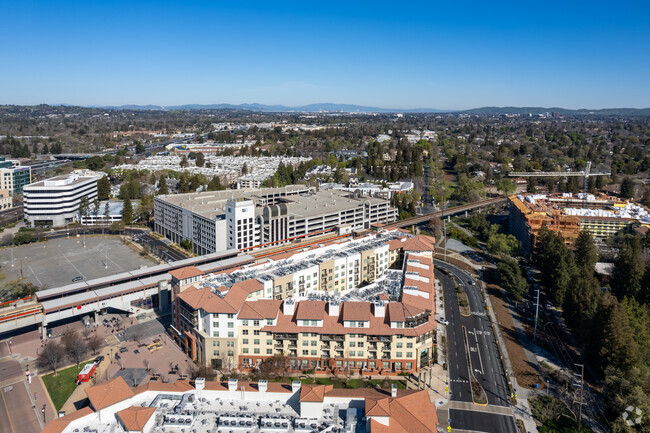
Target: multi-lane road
pixel 472 350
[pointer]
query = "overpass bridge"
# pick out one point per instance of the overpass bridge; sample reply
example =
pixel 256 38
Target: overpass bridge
pixel 131 292
pixel 446 212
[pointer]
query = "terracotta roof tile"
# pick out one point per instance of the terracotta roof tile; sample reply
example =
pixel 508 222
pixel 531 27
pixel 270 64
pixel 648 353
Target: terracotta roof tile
pixel 134 418
pixel 57 425
pixel 108 393
pixel 310 310
pixel 310 393
pixel 260 309
pixel 378 407
pixel 357 311
pixel 186 272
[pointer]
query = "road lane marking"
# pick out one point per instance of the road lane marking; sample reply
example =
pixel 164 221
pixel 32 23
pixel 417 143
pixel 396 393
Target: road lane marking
pixel 11 424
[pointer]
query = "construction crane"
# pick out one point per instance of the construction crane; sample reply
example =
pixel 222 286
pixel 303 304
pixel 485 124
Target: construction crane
pixel 586 173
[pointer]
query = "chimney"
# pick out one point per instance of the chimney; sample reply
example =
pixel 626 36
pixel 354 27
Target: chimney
pixel 333 308
pixel 380 308
pixel 262 385
pixel 296 384
pixel 288 307
pixel 393 390
pixel 232 384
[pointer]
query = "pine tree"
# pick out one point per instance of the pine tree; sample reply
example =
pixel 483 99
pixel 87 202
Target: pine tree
pixel 103 188
pixel 183 184
pixel 162 185
pixel 585 251
pixel 628 269
pixel 127 212
pixel 627 188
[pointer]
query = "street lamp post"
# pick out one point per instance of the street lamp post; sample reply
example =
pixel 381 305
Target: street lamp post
pixel 43 410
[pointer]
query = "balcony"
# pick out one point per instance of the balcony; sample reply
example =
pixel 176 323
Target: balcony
pixel 286 336
pixel 374 338
pixel 292 345
pixel 332 337
pixel 279 346
pixel 385 356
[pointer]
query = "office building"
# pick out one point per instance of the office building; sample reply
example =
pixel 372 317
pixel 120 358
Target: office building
pixel 218 220
pixel 13 176
pixel 55 201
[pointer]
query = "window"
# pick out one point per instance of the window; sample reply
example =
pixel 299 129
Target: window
pixel 231 334
pixel 314 342
pixel 244 332
pixel 305 343
pixel 371 364
pixel 231 315
pixel 256 323
pixel 230 353
pixel 256 332
pixel 314 323
pixel 245 341
pixel 244 322
pixel 256 350
pixel 269 341
pixel 339 363
pixel 230 343
pixel 409 345
pixel 313 353
pixel 386 364
pixel 353 353
pixel 409 354
pixel 305 352
pixel 269 321
pixel 214 343
pixel 231 325
pixel 245 350
pixel 409 365
pixel 353 344
pixel 269 351
pixel 398 366
pixel 215 333
pixel 256 341
pixel 398 354
pixel 398 345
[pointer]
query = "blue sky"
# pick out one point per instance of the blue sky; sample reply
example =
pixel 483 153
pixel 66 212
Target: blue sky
pixel 447 55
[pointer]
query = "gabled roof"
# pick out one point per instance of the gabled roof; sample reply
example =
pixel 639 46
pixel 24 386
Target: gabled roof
pixel 377 407
pixel 186 272
pixel 408 413
pixel 310 310
pixel 356 311
pixel 260 309
pixel 314 393
pixel 135 418
pixel 209 301
pixel 108 393
pixel 419 243
pixel 177 386
pixel 57 425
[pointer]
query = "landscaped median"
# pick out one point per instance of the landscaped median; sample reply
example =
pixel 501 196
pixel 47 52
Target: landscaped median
pixel 478 393
pixel 463 302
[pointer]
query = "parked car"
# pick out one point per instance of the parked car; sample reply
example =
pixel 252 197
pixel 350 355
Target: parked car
pixel 77 278
pixel 124 349
pixel 99 359
pixel 443 321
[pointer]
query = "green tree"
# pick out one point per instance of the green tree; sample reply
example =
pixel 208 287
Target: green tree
pixel 145 209
pixel 501 244
pixel 139 147
pixel 556 263
pixel 215 184
pixel 127 212
pixel 618 347
pixel 506 186
pixel 163 189
pixel 103 188
pixel 629 268
pixel 585 251
pixel 511 277
pixel 183 184
pixel 627 188
pixel 200 160
pixel 84 207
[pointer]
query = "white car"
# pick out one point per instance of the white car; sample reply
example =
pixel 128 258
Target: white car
pixel 443 321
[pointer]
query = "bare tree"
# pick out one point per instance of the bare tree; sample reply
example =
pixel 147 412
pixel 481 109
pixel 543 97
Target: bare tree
pixel 275 365
pixel 75 347
pixel 94 342
pixel 86 332
pixel 51 356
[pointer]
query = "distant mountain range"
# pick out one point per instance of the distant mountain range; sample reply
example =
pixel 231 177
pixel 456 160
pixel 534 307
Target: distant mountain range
pixel 310 108
pixel 351 108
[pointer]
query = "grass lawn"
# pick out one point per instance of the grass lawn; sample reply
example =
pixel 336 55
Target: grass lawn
pixel 342 383
pixel 61 386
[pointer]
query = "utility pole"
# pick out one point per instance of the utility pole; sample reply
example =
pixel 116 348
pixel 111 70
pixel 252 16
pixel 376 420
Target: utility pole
pixel 582 381
pixel 536 313
pixel 12 257
pixel 444 236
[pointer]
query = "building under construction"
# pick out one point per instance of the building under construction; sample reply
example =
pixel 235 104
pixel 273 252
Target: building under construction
pixel 567 214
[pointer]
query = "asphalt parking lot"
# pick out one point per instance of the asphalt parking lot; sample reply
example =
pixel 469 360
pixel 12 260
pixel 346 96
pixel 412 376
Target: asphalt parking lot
pixel 56 262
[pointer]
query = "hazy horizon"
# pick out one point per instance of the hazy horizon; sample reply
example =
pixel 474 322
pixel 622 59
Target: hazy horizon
pixel 436 56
